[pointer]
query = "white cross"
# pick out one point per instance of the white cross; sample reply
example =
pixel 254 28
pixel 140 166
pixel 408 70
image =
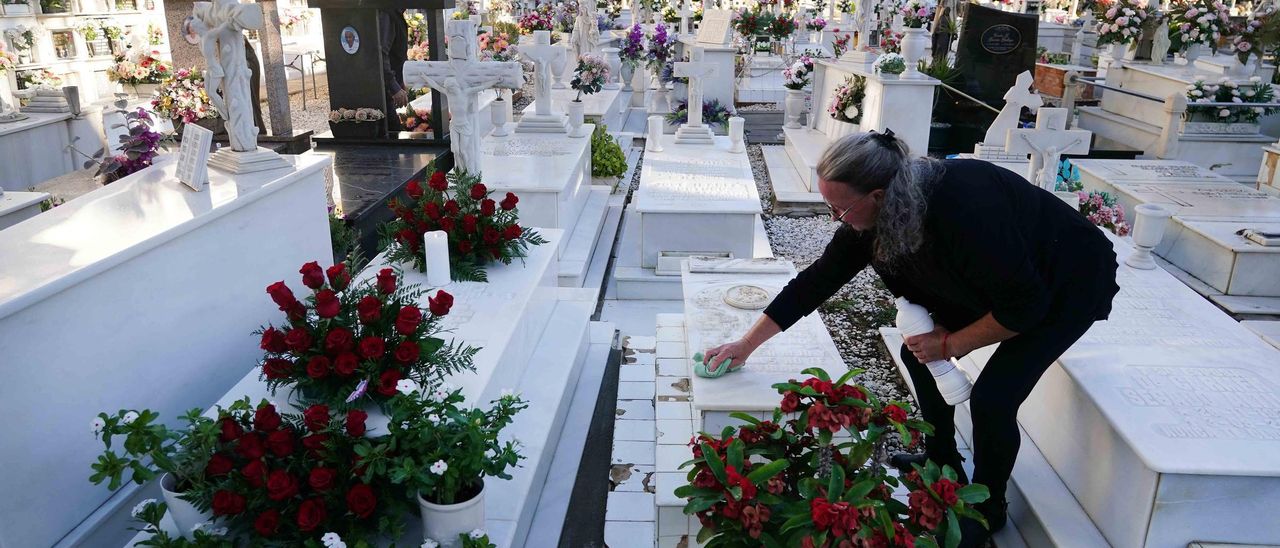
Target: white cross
pixel 695 69
pixel 685 12
pixel 1018 96
pixel 1046 144
pixel 544 56
pixel 461 79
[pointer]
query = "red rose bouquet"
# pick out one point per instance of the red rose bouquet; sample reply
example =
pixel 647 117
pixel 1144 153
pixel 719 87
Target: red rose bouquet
pixel 785 482
pixel 480 229
pixel 354 339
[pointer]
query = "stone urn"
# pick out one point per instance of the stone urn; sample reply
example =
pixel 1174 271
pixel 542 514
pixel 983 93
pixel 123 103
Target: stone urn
pixel 793 108
pixel 914 42
pixel 615 67
pixel 627 74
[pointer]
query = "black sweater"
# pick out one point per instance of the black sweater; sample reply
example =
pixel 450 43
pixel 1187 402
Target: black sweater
pixel 992 243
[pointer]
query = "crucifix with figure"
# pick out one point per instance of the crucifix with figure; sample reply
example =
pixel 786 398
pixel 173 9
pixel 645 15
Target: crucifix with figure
pixel 1046 144
pixel 544 55
pixel 461 79
pixel 694 131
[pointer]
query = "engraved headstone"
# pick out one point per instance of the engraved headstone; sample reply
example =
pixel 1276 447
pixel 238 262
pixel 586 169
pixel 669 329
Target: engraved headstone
pixel 544 57
pixel 994 48
pixel 193 156
pixel 716 27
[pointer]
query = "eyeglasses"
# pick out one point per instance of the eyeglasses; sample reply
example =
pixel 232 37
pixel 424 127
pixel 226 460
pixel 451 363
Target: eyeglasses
pixel 836 214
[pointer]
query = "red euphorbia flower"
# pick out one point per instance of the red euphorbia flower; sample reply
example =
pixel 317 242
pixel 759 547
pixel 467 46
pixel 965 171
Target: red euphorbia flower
pixel 946 490
pixel 924 510
pixel 895 414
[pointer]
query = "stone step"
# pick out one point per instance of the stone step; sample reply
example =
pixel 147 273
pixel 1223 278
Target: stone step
pixel 804 147
pixel 1269 330
pixel 577 254
pixel 790 195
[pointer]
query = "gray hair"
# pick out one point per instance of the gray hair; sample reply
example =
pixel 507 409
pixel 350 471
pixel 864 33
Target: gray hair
pixel 874 161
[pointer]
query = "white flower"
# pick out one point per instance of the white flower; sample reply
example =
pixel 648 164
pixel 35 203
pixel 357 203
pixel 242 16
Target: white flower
pixel 142 507
pixel 439 467
pixel 851 112
pixel 98 424
pixel 433 418
pixel 1255 79
pixel 1197 92
pixel 476 534
pixel 1224 113
pixel 430 544
pixel 404 425
pixel 129 417
pixel 406 386
pixel 332 540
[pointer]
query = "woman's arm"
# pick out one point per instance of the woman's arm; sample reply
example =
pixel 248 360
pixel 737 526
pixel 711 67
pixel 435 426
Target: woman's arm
pixel 929 347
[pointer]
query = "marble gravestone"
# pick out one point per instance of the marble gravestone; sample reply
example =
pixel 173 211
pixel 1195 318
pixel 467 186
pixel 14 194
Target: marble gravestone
pixel 544 55
pixel 716 27
pixel 995 47
pixel 697 70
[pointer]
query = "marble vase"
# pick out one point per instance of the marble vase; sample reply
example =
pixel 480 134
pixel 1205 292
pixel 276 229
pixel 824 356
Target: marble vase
pixel 577 110
pixel 913 46
pixel 615 67
pixel 627 73
pixel 793 108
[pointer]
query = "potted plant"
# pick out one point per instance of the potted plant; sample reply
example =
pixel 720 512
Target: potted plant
pixel 142 72
pixel 355 123
pixel 23 41
pixel 632 53
pixel 1242 120
pixel 795 78
pixel 917 15
pixel 789 482
pixel 815 26
pixel 782 27
pixel 1120 24
pixel 1196 25
pixel 442 449
pixel 713 114
pixel 1101 209
pixel 588 78
pixel 139 147
pixel 660 52
pixel 182 99
pixel 846 106
pixel 149 449
pixel 351 342
pixel 480 230
pixel 889 66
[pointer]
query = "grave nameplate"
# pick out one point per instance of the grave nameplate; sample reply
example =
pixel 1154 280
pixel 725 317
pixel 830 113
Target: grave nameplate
pixel 716 27
pixel 995 46
pixel 193 157
pixel 1147 171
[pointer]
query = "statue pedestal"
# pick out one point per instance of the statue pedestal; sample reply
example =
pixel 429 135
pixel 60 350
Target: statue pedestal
pixel 699 135
pixel 233 162
pixel 543 123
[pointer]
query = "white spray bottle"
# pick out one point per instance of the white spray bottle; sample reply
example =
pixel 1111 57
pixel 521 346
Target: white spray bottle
pixel 914 320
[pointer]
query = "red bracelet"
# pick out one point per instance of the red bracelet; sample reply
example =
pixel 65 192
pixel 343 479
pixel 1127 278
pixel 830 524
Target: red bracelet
pixel 945 356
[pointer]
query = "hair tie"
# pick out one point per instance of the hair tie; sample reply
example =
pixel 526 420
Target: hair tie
pixel 886 138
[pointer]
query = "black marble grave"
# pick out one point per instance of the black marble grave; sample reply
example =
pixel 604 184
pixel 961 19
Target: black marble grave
pixel 366 178
pixel 995 46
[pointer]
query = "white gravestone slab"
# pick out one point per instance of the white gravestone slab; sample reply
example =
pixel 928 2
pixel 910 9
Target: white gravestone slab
pixel 544 57
pixel 461 79
pixel 1172 403
pixel 696 70
pixel 16 207
pixel 1162 171
pixel 696 199
pixel 716 27
pixel 710 322
pixel 1216 253
pixel 193 157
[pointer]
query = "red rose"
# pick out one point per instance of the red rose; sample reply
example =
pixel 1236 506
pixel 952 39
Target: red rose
pixel 339 277
pixel 266 419
pixel 408 319
pixel 296 311
pixel 312 275
pixel 327 303
pixel 310 514
pixel 469 222
pixel 895 414
pixel 407 237
pixel 317 367
pixel 339 340
pixel 491 236
pixel 255 473
pixel 440 304
pixel 478 191
pixel 488 207
pixel 387 281
pixel 281 485
pixel 280 443
pixel 790 402
pixel 361 501
pixel 355 422
pixel 512 232
pixel 281 295
pixel 315 442
pixel 218 465
pixel 369 309
pixel 298 339
pixel 250 446
pixel 407 352
pixel 447 224
pixel 509 203
pixel 432 209
pixel 371 348
pixel 451 207
pixel 346 364
pixel 276 368
pixel 464 247
pixel 273 341
pixel 438 182
pixel 231 430
pixel 316 417
pixel 414 189
pixel 387 382
pixel 267 523
pixel 946 490
pixel 227 503
pixel 321 479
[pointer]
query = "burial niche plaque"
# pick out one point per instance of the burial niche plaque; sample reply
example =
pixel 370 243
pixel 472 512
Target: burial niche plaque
pixel 1001 39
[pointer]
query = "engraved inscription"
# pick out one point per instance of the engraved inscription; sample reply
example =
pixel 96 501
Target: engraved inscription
pixel 524 147
pixel 711 322
pixel 1206 403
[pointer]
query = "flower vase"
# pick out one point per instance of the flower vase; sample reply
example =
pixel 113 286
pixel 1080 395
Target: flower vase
pixel 661 101
pixel 793 108
pixel 576 118
pixel 839 129
pixel 615 67
pixel 628 72
pixel 913 44
pixel 145 90
pixel 444 522
pixel 557 71
pixel 1192 53
pixel 184 514
pixel 1241 70
pixel 816 37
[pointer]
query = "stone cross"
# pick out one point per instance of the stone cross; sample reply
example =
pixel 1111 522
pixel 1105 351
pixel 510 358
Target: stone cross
pixel 461 79
pixel 1018 96
pixel 220 25
pixel 1046 144
pixel 695 69
pixel 685 13
pixel 544 56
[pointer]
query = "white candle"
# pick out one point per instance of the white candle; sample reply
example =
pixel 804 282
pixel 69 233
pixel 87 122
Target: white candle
pixel 435 245
pixel 655 134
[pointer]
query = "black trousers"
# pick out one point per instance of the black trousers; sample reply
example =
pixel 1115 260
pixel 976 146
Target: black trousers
pixel 999 391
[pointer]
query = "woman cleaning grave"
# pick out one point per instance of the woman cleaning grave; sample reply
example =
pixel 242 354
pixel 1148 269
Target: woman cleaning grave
pixel 992 257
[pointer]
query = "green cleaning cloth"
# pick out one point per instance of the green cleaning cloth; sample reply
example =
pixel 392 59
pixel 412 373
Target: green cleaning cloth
pixel 700 367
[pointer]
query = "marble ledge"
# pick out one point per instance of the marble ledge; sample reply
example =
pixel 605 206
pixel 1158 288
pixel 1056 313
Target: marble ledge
pixel 33 120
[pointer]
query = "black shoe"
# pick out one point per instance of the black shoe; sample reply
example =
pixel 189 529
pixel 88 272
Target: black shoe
pixel 904 461
pixel 973 534
pixel 995 511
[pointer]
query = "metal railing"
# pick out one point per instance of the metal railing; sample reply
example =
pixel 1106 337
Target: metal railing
pixel 1097 82
pixel 969 97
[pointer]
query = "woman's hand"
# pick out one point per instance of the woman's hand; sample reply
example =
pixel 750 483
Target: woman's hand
pixel 739 350
pixel 928 347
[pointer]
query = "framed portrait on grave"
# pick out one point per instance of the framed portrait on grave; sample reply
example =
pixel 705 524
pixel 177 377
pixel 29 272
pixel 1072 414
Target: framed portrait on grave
pixel 193 156
pixel 350 40
pixel 189 34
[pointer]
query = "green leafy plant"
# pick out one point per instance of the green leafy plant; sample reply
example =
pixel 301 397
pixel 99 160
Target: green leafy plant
pixel 346 241
pixel 790 481
pixel 607 159
pixel 443 449
pixel 149 448
pixel 151 512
